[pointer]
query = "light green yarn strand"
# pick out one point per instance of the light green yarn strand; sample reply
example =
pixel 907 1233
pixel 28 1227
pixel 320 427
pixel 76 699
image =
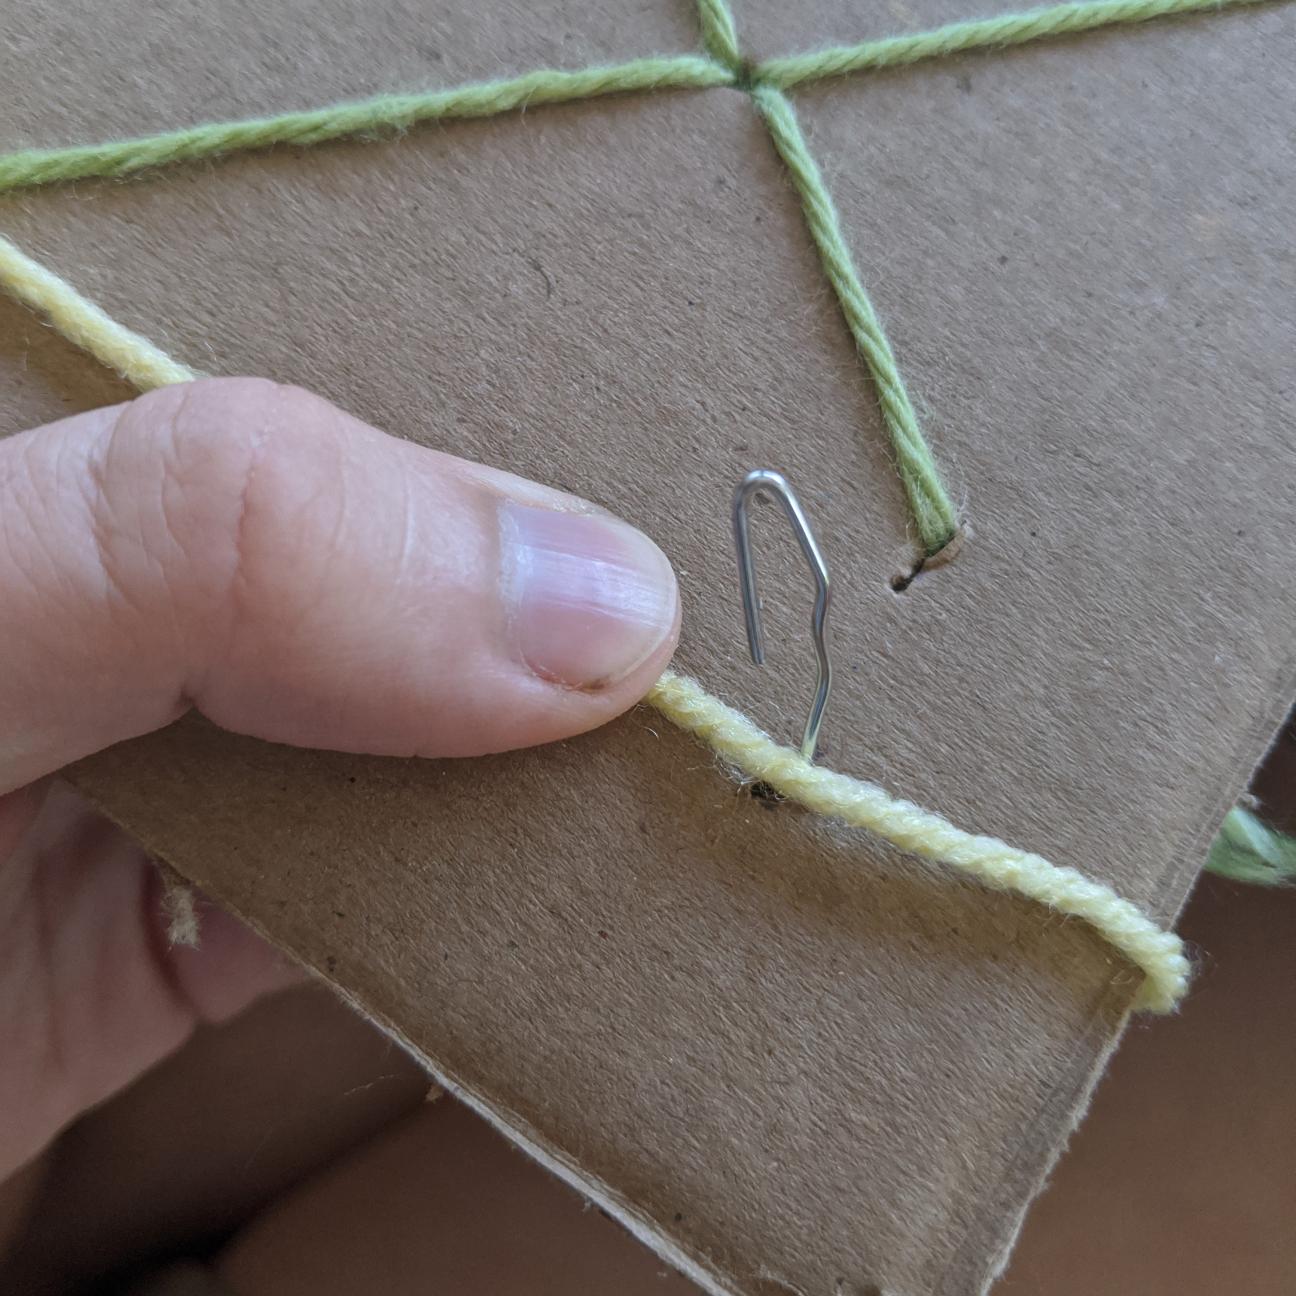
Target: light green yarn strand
pixel 1247 850
pixel 367 116
pixel 981 33
pixel 933 511
pixel 935 518
pixel 730 734
pixel 719 34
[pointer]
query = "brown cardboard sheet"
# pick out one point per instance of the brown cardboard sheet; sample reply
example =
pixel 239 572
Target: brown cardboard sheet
pixel 792 1059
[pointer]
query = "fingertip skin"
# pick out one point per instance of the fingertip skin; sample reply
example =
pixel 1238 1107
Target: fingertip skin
pixel 251 549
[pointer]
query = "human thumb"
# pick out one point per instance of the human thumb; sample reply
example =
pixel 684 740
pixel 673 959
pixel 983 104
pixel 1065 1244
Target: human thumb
pixel 251 550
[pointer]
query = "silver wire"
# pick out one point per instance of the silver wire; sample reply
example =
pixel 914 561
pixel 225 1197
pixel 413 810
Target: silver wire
pixel 763 481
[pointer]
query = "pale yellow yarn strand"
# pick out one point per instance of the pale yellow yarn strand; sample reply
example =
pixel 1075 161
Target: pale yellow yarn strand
pixel 1158 953
pixel 82 322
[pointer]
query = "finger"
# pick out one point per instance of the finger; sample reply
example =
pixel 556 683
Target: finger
pixel 299 576
pixel 93 993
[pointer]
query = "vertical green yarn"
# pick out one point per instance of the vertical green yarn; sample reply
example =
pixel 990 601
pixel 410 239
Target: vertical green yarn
pixel 719 35
pixel 1247 850
pixel 934 514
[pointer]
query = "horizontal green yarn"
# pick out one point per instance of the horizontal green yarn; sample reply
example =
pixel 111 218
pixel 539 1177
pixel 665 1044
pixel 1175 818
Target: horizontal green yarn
pixel 31 167
pixel 979 33
pixel 363 117
pixel 933 511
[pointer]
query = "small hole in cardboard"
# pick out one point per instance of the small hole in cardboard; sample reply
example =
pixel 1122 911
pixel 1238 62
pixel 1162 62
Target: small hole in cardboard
pixel 929 562
pixel 769 797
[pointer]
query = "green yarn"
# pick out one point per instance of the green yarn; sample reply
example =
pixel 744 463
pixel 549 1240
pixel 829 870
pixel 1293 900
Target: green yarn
pixel 980 33
pixel 934 513
pixel 364 117
pixel 1247 850
pixel 719 35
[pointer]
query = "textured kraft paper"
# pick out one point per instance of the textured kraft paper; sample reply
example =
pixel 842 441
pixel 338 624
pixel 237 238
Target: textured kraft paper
pixel 790 1058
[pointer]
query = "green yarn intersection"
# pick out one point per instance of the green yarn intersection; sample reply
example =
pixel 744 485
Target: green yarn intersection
pixel 935 517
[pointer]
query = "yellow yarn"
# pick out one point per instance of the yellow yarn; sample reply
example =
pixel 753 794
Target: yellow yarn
pixel 82 322
pixel 728 732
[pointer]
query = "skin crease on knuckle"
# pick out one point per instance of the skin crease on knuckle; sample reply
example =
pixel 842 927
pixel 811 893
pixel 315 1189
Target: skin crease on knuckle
pixel 201 528
pixel 252 550
pixel 337 583
pixel 341 569
pixel 270 545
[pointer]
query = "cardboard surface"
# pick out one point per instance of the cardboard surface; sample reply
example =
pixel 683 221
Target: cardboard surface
pixel 804 1061
pixel 94 69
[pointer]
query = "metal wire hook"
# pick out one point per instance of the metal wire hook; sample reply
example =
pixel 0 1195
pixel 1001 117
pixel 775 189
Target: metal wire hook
pixel 763 481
